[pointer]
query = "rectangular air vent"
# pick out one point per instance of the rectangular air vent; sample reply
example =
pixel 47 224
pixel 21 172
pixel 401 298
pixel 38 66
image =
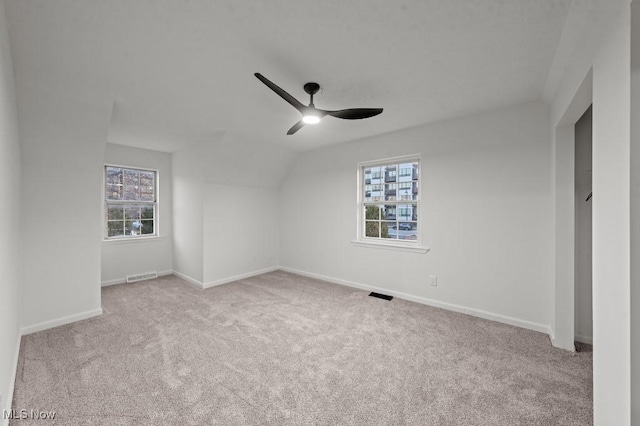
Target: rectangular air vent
pixel 380 296
pixel 140 277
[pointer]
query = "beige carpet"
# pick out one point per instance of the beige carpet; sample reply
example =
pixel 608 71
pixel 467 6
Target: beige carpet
pixel 281 349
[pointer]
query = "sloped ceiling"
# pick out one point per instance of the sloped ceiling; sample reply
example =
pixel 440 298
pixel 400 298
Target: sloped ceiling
pixel 179 70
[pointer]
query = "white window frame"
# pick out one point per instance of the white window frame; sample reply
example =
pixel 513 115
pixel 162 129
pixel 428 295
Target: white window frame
pixel 391 244
pixel 156 209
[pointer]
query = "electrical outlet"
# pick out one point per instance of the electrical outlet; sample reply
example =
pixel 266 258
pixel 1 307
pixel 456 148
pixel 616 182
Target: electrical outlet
pixel 433 280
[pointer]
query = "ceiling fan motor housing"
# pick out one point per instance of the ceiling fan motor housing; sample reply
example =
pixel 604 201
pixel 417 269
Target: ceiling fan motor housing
pixel 311 88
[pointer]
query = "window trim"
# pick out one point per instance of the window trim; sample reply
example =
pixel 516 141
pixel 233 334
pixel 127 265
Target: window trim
pixel 128 238
pixel 400 245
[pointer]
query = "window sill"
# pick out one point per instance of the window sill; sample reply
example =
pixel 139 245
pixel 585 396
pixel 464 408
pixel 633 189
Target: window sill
pixel 387 246
pixel 125 240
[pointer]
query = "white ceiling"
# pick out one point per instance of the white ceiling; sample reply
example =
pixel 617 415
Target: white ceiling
pixel 178 71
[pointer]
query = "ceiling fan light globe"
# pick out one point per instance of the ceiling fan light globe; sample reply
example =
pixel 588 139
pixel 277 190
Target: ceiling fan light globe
pixel 311 119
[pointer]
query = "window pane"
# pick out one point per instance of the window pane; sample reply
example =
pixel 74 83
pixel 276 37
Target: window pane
pixel 132 227
pixel 114 176
pixel 372 229
pixel 376 192
pixel 147 227
pixel 132 212
pixel 390 191
pixel 115 212
pixel 368 189
pixel 406 226
pixel 146 194
pixel 390 173
pixel 367 176
pixel 374 173
pixel 388 231
pixel 136 227
pixel 130 220
pixel 372 212
pixel 407 230
pixel 408 172
pixel 113 182
pixel 131 185
pixel 113 192
pixel 147 186
pixel 407 212
pixel 405 191
pixel 115 228
pixel 389 212
pixel 147 212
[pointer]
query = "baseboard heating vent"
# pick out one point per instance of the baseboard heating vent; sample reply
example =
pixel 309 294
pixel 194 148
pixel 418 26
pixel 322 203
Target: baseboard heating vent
pixel 140 277
pixel 380 296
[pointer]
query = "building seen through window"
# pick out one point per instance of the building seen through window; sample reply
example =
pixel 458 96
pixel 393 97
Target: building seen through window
pixel 390 200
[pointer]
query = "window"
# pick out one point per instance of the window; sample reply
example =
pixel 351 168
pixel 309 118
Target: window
pixel 131 202
pixel 389 211
pixel 406 171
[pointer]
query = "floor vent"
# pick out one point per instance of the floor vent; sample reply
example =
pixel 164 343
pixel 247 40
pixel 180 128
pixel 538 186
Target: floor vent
pixel 140 277
pixel 380 296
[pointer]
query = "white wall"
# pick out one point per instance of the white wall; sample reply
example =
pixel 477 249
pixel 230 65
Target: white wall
pixel 635 212
pixel 485 214
pixel 122 258
pixel 563 294
pixel 583 234
pixel 220 179
pixel 605 45
pixel 187 171
pixel 10 221
pixel 611 225
pixel 63 141
pixel 241 231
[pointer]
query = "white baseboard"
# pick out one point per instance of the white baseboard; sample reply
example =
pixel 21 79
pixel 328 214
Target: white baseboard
pixel 12 382
pixel 60 321
pixel 552 336
pixel 430 302
pixel 584 339
pixel 113 282
pixel 239 277
pixel 124 280
pixel 226 280
pixel 188 279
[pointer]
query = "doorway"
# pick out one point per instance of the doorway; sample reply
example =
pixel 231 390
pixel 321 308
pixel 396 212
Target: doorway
pixel 583 320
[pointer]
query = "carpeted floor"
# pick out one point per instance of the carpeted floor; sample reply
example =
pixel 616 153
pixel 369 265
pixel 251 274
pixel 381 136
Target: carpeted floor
pixel 281 349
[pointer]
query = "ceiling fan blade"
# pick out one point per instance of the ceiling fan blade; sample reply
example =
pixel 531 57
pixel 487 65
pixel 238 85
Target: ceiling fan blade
pixel 296 127
pixel 355 113
pixel 284 95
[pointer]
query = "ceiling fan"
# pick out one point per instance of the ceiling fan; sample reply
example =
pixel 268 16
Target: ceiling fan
pixel 311 114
